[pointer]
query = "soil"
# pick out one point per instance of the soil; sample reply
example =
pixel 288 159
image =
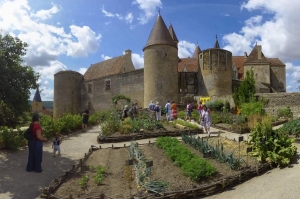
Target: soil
pixel 116 183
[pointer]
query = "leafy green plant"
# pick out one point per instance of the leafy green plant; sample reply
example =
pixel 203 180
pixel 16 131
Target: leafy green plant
pixel 99 177
pixel 271 146
pixel 252 108
pixel 291 128
pixel 217 105
pixel 83 181
pixel 285 112
pixel 11 139
pixel 192 165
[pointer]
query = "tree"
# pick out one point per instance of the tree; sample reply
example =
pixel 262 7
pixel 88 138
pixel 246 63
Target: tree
pixel 16 80
pixel 245 93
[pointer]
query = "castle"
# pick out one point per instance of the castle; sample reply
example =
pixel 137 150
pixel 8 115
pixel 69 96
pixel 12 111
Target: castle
pixel 165 76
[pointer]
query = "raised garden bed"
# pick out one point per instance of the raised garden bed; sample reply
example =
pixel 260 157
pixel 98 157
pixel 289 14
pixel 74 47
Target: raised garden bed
pixel 139 136
pixel 118 184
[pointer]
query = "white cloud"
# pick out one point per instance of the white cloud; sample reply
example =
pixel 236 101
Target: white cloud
pixel 82 70
pixel 138 60
pixel 47 72
pixel 46 14
pixel 149 9
pixel 105 57
pixel 278 33
pixel 129 17
pixel 106 13
pixel 186 49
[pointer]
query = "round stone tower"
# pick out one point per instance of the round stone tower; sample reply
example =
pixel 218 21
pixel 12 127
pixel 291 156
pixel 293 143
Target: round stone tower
pixel 67 93
pixel 160 65
pixel 215 71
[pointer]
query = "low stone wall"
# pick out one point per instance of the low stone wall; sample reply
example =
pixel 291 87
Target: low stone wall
pixel 276 101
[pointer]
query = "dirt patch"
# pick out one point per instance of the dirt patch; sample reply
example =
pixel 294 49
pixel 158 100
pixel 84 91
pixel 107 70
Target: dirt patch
pixel 116 184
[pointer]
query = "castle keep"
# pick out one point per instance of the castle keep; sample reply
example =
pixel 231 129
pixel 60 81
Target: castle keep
pixel 211 72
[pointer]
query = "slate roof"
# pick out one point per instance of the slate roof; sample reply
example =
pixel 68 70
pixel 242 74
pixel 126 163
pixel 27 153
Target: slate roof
pixel 105 68
pixel 37 96
pixel 238 61
pixel 253 56
pixel 275 62
pixel 197 51
pixel 216 43
pixel 160 34
pixel 188 65
pixel 172 33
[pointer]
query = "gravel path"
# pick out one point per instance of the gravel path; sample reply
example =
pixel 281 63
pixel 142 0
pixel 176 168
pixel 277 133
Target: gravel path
pixel 16 183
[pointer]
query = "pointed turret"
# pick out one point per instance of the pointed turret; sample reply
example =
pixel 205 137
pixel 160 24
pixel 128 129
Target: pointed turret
pixel 217 43
pixel 37 96
pixel 172 33
pixel 197 51
pixel 160 35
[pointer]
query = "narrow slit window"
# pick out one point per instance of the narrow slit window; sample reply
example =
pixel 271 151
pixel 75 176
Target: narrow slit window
pixel 89 88
pixel 107 84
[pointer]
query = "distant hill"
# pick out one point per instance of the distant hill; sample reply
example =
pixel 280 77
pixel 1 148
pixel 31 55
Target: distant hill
pixel 46 104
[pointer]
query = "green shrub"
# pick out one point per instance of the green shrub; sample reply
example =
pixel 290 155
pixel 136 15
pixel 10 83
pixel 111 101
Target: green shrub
pixel 216 118
pixel 216 105
pixel 192 165
pixel 112 123
pixel 10 139
pixel 271 146
pixel 252 108
pixel 291 128
pixel 285 112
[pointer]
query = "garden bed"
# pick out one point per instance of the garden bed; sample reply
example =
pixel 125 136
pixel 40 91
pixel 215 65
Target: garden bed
pixel 117 183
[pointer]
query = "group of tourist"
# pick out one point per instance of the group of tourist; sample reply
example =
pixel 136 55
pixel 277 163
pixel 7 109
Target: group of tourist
pixel 131 112
pixel 170 110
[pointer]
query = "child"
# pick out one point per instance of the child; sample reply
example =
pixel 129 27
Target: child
pixel 56 145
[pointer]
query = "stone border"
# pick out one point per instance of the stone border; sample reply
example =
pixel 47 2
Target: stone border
pixel 140 136
pixel 219 185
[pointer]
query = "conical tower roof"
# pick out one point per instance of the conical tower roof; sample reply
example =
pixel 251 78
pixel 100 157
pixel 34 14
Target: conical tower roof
pixel 172 33
pixel 197 51
pixel 217 43
pixel 37 96
pixel 159 34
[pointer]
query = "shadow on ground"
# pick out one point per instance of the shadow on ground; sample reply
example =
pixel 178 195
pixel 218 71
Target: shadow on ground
pixel 16 183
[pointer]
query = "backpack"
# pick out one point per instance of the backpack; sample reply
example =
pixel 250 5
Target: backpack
pixel 190 107
pixel 157 109
pixel 28 134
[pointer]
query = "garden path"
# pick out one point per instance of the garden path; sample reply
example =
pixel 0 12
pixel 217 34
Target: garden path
pixel 15 183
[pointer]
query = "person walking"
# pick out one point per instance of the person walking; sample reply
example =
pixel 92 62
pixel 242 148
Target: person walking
pixel 85 119
pixel 168 107
pixel 151 106
pixel 189 109
pixel 56 145
pixel 157 111
pixel 200 108
pixel 174 110
pixel 35 146
pixel 206 119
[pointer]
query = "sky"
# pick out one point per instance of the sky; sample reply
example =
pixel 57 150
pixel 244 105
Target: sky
pixel 72 35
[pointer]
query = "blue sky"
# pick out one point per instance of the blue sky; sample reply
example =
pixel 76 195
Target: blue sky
pixel 72 35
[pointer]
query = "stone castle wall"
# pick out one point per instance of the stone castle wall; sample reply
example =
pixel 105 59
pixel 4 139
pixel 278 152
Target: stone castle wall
pixel 215 76
pixel 160 74
pixel 130 84
pixel 67 96
pixel 281 100
pixel 278 78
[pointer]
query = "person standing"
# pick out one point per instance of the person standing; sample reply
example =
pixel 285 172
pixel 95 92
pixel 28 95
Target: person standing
pixel 56 145
pixel 174 110
pixel 125 113
pixel 189 109
pixel 85 119
pixel 200 108
pixel 206 119
pixel 157 111
pixel 168 107
pixel 151 106
pixel 35 146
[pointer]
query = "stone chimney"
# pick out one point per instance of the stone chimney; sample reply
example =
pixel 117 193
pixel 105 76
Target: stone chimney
pixel 128 52
pixel 259 52
pixel 245 54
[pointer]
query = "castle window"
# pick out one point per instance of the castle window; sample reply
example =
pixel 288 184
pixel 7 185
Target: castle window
pixel 107 84
pixel 89 87
pixel 89 105
pixel 200 56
